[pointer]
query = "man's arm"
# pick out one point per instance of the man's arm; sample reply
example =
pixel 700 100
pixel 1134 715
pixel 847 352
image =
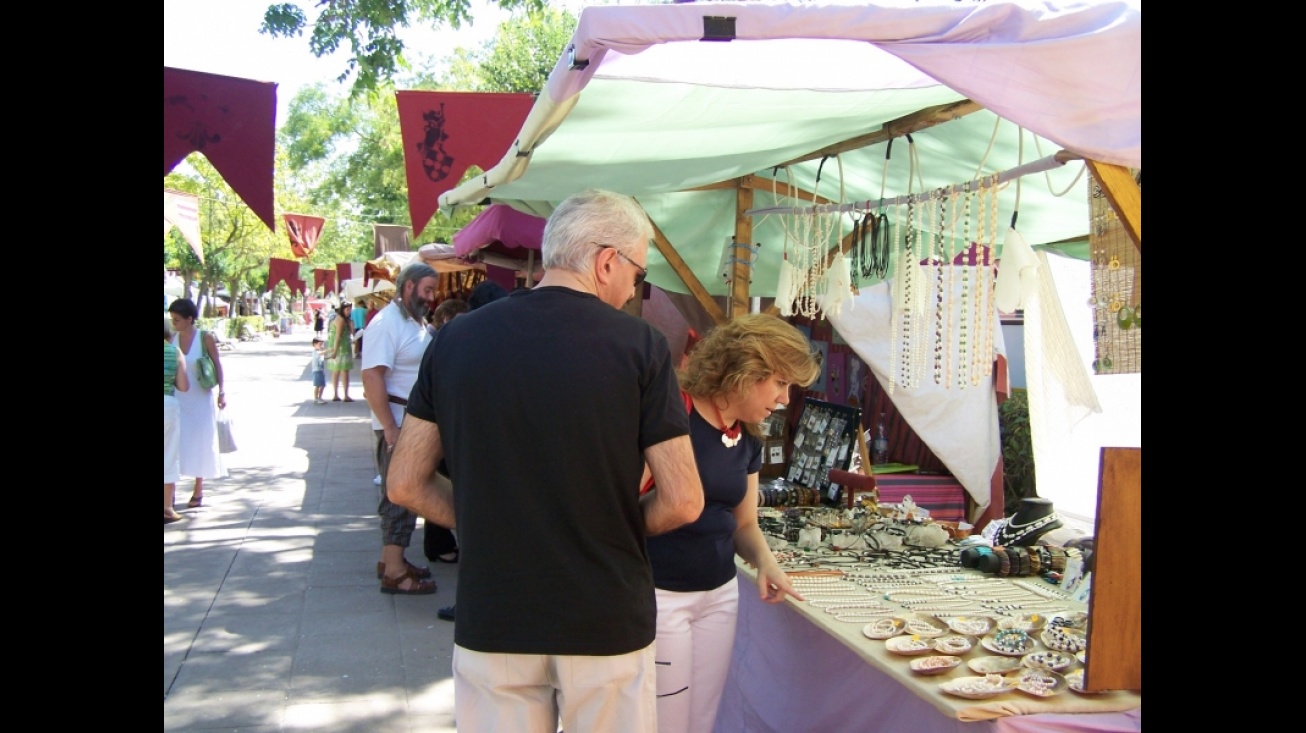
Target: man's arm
pixel 379 401
pixel 679 496
pixel 412 481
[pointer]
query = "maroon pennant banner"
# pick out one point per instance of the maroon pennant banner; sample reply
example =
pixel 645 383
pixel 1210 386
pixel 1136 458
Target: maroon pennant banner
pixel 283 270
pixel 324 280
pixel 303 231
pixel 232 121
pixel 444 133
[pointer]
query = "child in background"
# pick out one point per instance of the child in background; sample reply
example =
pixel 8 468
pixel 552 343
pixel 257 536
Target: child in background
pixel 319 370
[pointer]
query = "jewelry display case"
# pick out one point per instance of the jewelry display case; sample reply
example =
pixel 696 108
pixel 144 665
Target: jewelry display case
pixel 825 438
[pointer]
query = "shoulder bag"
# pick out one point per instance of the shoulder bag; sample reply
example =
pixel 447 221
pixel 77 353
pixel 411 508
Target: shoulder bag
pixel 207 373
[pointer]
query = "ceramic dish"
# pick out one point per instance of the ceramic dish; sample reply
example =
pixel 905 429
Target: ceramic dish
pixel 909 646
pixel 1066 640
pixel 1052 661
pixel 1075 681
pixel 1041 682
pixel 1024 622
pixel 1082 656
pixel 934 664
pixel 971 625
pixel 978 688
pixel 924 626
pixel 993 665
pixel 1015 647
pixel 1073 619
pixel 954 644
pixel 883 628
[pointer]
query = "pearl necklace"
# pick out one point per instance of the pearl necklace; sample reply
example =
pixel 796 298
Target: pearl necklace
pixel 1014 534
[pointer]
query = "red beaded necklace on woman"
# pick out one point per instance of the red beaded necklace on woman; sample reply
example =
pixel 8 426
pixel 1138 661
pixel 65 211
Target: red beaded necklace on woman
pixel 729 435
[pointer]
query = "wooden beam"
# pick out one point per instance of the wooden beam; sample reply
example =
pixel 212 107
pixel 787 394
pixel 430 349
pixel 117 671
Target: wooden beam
pixel 686 275
pixel 914 122
pixel 1125 196
pixel 740 256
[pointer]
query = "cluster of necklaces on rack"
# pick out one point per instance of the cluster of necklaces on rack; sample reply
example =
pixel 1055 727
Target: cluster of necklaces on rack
pixel 944 279
pixel 908 300
pixel 1116 290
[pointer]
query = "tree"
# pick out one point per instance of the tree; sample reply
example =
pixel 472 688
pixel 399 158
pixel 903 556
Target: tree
pixel 346 152
pixel 369 27
pixel 519 58
pixel 236 241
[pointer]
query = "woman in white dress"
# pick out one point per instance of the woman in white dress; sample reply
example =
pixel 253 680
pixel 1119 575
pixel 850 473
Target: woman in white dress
pixel 199 436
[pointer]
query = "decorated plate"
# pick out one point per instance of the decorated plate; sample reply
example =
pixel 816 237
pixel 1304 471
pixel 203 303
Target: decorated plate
pixel 1024 622
pixel 1075 681
pixel 1064 639
pixel 993 665
pixel 925 626
pixel 1082 656
pixel 1073 619
pixel 971 625
pixel 1053 661
pixel 883 628
pixel 1041 682
pixel 954 644
pixel 978 688
pixel 1009 642
pixel 909 646
pixel 934 664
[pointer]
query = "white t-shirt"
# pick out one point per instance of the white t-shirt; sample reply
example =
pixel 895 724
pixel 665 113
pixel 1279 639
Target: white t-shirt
pixel 396 342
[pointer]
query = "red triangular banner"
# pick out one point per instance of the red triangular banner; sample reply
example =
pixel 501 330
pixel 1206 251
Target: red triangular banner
pixel 444 133
pixel 325 280
pixel 232 121
pixel 287 270
pixel 303 231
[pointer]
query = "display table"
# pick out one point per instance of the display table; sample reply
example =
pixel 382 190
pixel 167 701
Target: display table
pixel 795 669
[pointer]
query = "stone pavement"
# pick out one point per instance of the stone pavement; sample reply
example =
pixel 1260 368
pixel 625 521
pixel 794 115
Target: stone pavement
pixel 272 615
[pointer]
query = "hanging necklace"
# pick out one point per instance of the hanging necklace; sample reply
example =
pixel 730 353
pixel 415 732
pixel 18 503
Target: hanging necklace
pixel 729 436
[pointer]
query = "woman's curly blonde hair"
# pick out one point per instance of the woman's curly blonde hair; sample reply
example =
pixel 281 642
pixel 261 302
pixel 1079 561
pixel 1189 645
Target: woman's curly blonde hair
pixel 738 354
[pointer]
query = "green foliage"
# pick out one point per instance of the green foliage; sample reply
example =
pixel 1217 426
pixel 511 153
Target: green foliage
pixel 345 152
pixel 369 29
pixel 1017 449
pixel 519 58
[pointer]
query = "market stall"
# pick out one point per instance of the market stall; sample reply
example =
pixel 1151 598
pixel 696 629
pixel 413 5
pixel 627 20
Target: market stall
pixel 761 155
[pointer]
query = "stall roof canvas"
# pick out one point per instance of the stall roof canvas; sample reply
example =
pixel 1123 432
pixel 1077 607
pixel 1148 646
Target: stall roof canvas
pixel 640 103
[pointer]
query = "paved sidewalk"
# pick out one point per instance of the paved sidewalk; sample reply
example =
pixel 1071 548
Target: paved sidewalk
pixel 272 615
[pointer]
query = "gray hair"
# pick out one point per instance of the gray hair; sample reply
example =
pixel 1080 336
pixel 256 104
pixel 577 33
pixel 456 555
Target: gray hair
pixel 414 272
pixel 591 219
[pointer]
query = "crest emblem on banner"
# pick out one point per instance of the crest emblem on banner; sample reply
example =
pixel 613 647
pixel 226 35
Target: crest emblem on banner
pixel 303 231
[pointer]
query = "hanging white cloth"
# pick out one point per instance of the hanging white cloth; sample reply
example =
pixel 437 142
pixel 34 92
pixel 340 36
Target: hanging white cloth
pixel 1017 274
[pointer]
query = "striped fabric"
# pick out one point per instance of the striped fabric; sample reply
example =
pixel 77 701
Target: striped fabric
pixel 941 495
pixel 169 368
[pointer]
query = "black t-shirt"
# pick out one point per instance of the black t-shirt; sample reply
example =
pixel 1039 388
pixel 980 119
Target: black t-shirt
pixel 546 400
pixel 700 555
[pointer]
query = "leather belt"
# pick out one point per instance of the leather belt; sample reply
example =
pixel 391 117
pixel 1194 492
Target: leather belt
pixel 397 400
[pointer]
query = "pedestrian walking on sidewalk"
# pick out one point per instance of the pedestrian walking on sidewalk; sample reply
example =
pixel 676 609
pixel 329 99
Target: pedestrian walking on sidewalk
pixel 319 370
pixel 174 378
pixel 199 434
pixel 392 353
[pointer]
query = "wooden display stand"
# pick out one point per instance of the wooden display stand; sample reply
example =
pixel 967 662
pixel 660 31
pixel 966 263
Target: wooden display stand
pixel 1115 653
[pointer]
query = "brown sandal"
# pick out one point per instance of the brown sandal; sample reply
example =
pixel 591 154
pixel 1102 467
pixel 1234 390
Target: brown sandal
pixel 421 573
pixel 419 587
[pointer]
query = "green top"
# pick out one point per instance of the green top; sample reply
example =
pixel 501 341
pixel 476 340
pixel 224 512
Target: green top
pixel 170 354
